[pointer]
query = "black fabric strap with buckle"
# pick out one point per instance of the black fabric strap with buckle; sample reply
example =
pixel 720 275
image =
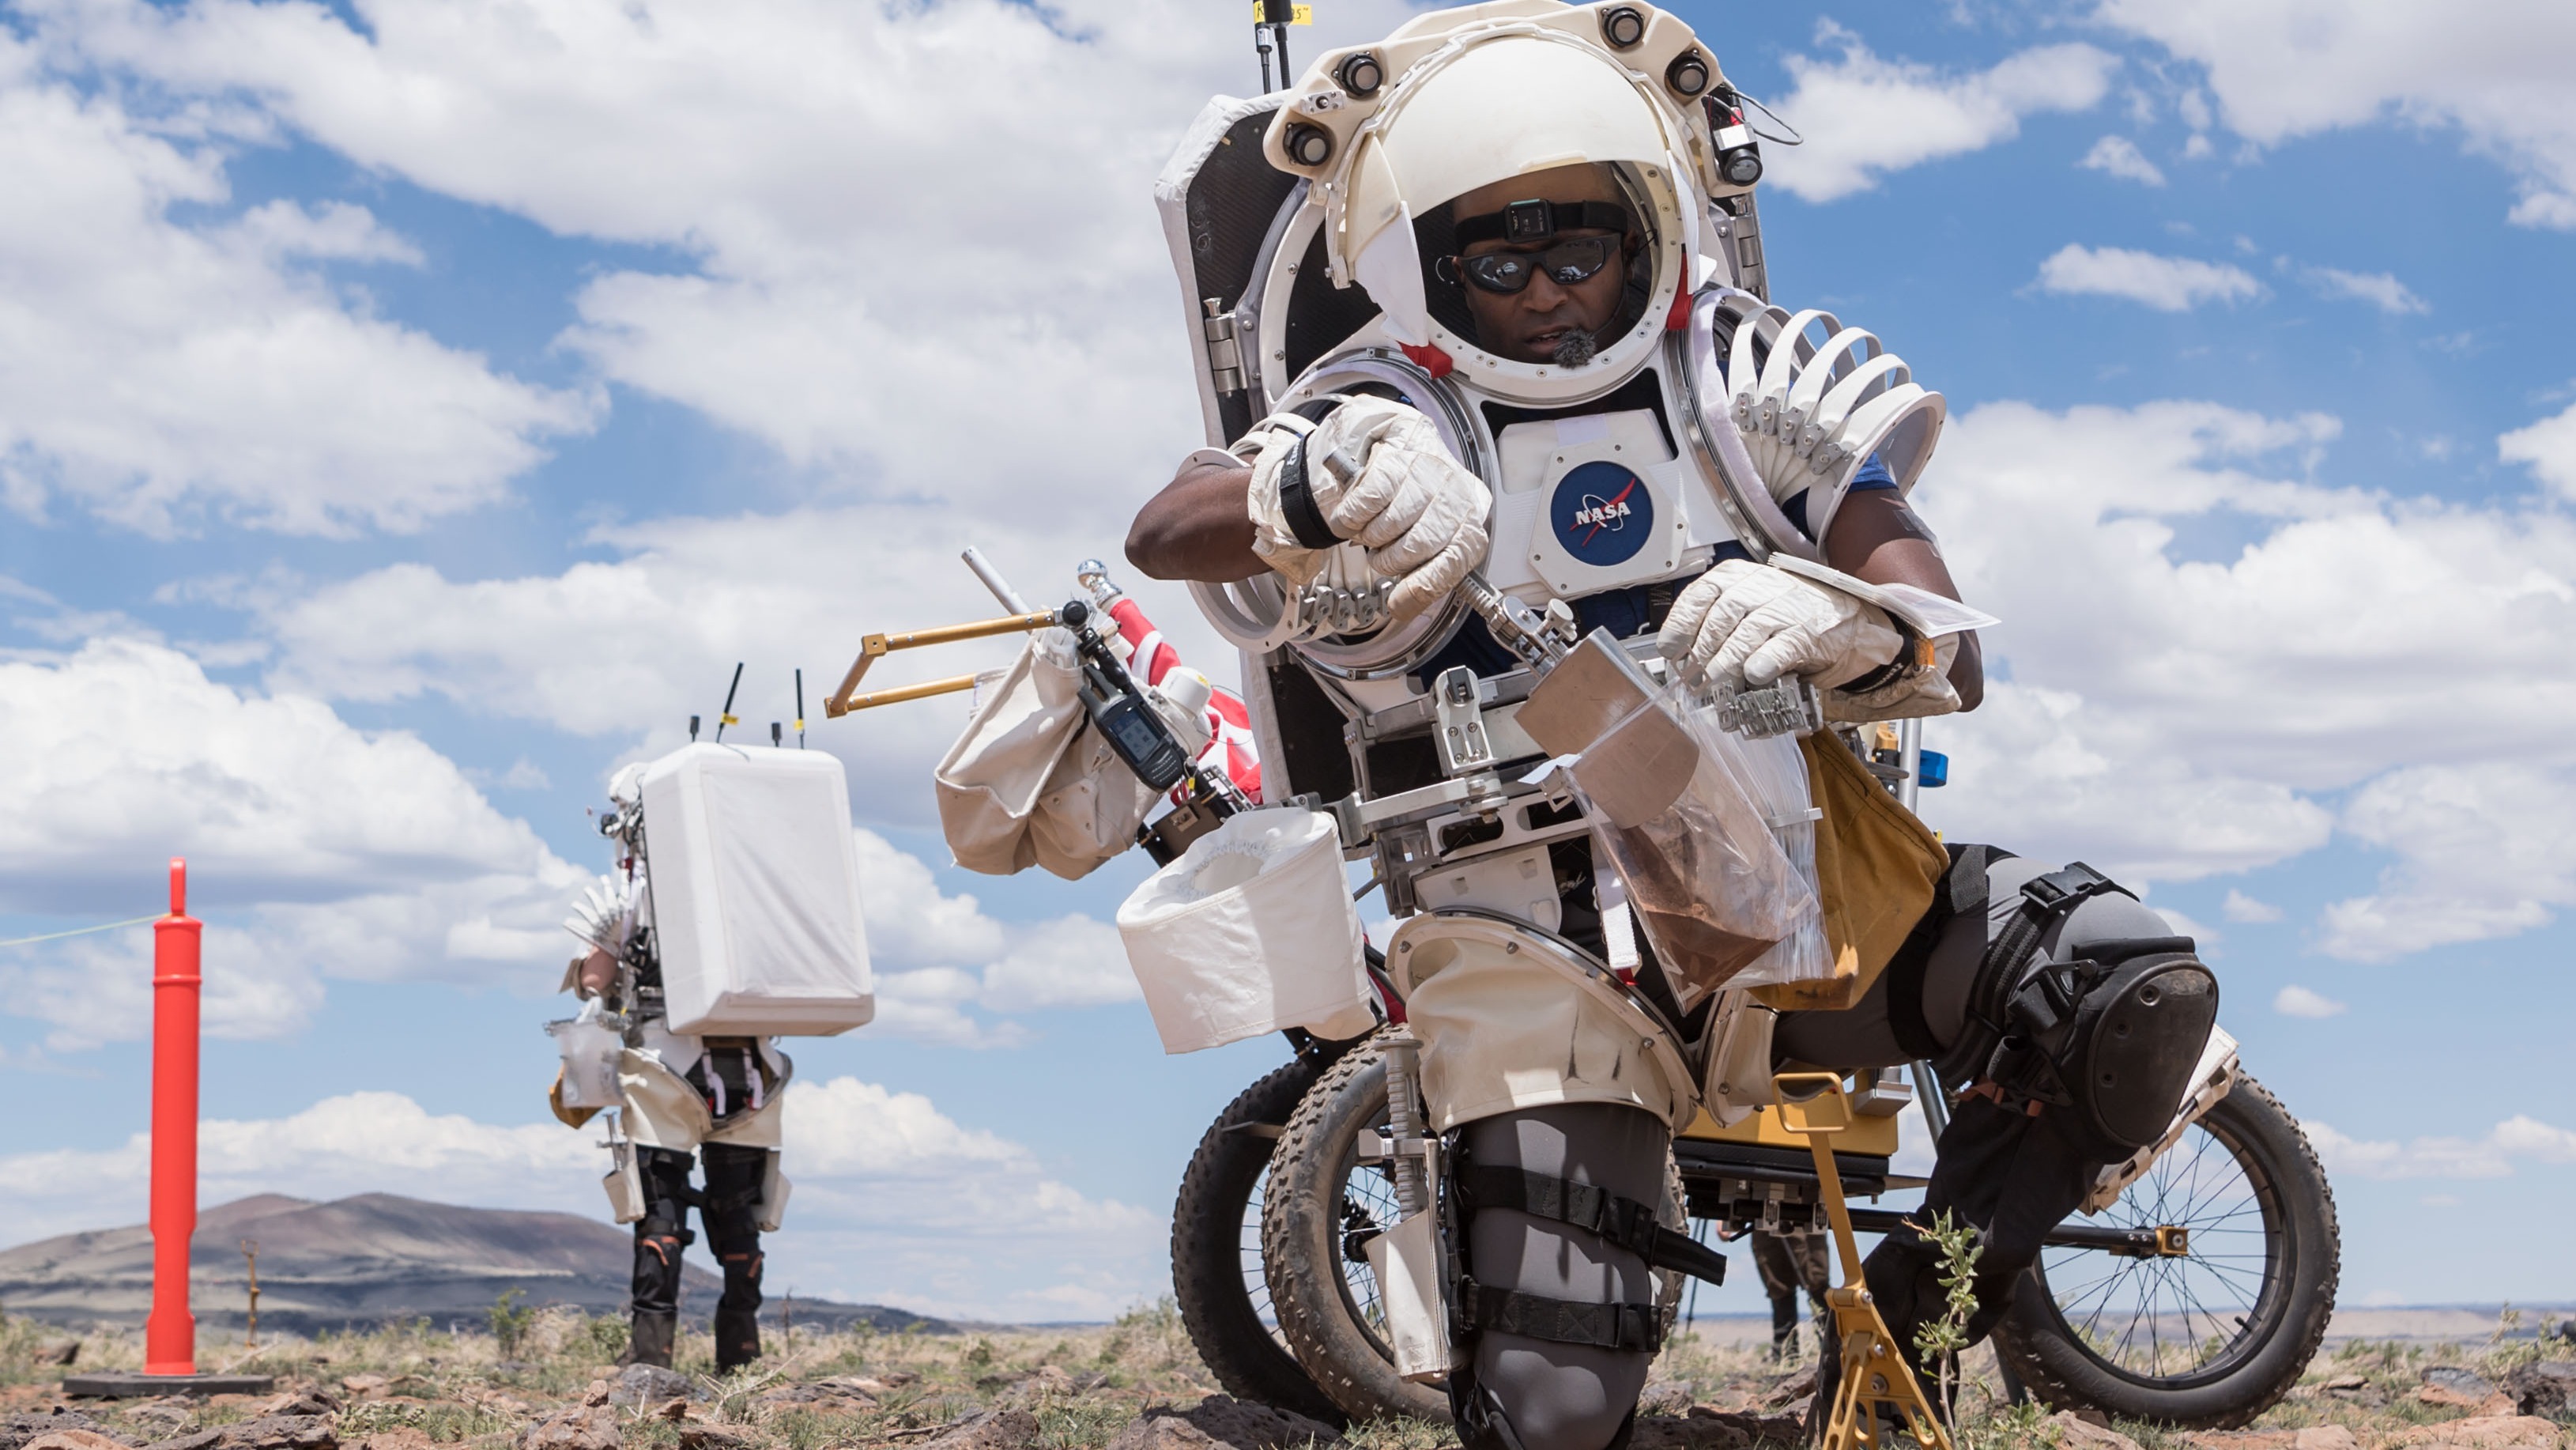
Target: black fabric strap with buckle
pixel 1962 892
pixel 1628 1327
pixel 1621 1221
pixel 1296 491
pixel 1536 221
pixel 1907 664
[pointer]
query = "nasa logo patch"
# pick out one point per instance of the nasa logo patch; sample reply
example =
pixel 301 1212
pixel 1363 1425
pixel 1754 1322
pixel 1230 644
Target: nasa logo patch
pixel 1602 514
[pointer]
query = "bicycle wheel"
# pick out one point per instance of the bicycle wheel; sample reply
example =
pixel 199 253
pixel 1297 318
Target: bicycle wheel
pixel 1216 1249
pixel 2211 1337
pixel 1324 1205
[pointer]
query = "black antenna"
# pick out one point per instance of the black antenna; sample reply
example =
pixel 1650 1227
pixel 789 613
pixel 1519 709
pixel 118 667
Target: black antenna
pixel 800 709
pixel 693 730
pixel 773 734
pixel 725 717
pixel 1271 19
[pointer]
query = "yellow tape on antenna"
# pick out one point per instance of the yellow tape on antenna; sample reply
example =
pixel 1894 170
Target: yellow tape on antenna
pixel 1297 14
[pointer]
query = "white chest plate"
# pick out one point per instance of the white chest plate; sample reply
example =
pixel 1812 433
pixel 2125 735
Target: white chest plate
pixel 1590 503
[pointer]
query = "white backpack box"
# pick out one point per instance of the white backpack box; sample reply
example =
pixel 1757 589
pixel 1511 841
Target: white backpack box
pixel 755 886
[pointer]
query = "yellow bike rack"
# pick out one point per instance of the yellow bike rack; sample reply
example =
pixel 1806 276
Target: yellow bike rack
pixel 1874 1372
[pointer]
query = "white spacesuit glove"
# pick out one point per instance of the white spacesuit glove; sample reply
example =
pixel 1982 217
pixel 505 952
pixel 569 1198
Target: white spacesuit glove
pixel 1374 473
pixel 1743 625
pixel 604 915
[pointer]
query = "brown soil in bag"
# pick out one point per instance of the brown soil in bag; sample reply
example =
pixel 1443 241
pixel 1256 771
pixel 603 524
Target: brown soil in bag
pixel 1697 953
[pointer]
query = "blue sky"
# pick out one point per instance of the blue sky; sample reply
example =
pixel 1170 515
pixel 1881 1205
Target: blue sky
pixel 410 412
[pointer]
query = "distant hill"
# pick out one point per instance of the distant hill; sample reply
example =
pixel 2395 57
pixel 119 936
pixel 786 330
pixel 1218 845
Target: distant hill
pixel 366 1261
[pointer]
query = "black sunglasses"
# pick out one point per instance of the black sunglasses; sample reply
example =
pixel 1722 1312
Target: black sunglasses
pixel 1577 259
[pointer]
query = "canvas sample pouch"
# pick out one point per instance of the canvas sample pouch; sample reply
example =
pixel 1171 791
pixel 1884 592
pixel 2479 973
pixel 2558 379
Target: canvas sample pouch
pixel 1250 931
pixel 990 781
pixel 1877 867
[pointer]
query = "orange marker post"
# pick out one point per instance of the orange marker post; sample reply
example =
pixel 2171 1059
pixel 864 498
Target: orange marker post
pixel 170 1334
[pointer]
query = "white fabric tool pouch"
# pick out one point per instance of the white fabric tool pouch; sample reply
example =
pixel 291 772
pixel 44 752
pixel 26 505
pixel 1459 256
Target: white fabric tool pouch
pixel 1251 931
pixel 1406 1261
pixel 625 1179
pixel 991 780
pixel 589 1047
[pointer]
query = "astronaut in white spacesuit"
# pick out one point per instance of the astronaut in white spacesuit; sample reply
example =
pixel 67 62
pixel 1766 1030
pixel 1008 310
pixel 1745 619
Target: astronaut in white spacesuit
pixel 712 1099
pixel 1565 387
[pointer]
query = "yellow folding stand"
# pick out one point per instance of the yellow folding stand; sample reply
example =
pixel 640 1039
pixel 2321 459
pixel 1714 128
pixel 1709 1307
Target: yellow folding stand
pixel 1874 1373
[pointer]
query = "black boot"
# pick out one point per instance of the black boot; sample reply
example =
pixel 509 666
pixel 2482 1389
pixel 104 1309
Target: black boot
pixel 649 1336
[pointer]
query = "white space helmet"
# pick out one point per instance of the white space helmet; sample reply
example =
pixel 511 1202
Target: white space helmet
pixel 1462 99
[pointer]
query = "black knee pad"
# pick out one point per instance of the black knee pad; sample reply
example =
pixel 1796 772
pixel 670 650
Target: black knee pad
pixel 732 1213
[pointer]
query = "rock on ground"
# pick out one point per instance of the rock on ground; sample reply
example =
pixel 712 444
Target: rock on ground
pixel 2313 1437
pixel 989 1430
pixel 2481 1432
pixel 73 1440
pixel 648 1384
pixel 1708 1429
pixel 715 1437
pixel 592 1427
pixel 1222 1420
pixel 18 1429
pixel 2078 1434
pixel 2547 1388
pixel 268 1432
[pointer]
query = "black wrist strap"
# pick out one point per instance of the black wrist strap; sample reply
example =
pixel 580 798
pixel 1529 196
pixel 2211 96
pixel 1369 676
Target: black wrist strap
pixel 1908 661
pixel 1297 490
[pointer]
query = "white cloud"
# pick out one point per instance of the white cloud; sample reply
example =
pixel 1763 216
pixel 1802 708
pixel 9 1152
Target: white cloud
pixel 873 324
pixel 2175 716
pixel 938 954
pixel 2548 448
pixel 629 648
pixel 2167 284
pixel 2201 934
pixel 2119 156
pixel 1864 116
pixel 2241 907
pixel 2491 1156
pixel 314 849
pixel 2287 68
pixel 895 1201
pixel 2483 850
pixel 2379 289
pixel 159 373
pixel 2297 1001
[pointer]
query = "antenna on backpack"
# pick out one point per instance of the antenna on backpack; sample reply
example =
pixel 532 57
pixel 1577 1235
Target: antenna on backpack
pixel 725 716
pixel 800 709
pixel 1270 22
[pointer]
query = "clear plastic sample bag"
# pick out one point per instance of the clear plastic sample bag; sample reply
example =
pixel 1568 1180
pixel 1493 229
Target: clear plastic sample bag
pixel 1680 810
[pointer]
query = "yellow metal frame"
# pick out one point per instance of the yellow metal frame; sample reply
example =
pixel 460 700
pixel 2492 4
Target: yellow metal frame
pixel 1874 1373
pixel 1764 1129
pixel 875 647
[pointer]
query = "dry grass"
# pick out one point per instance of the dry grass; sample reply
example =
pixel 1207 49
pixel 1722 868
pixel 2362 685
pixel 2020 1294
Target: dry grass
pixel 1083 1386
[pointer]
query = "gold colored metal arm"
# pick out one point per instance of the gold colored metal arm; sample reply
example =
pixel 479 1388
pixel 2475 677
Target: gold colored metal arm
pixel 1875 1382
pixel 875 646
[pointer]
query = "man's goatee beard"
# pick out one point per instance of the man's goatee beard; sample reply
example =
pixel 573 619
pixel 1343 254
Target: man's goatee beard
pixel 1575 349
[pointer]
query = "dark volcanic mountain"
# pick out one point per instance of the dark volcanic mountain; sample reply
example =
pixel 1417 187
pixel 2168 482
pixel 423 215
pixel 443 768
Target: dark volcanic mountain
pixel 364 1261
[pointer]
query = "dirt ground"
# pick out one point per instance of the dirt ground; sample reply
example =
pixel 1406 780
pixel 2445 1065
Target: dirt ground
pixel 548 1382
